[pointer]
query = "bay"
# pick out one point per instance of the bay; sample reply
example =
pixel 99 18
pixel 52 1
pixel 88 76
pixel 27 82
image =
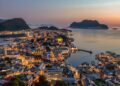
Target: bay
pixel 95 40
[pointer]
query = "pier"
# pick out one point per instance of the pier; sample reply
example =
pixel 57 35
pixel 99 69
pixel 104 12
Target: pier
pixel 88 51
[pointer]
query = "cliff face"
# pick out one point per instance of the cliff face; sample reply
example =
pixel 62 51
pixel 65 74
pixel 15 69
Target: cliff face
pixel 88 24
pixel 13 25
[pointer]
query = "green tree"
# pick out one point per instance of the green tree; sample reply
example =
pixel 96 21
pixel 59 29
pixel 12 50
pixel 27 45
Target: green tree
pixel 61 83
pixel 100 82
pixel 15 82
pixel 42 82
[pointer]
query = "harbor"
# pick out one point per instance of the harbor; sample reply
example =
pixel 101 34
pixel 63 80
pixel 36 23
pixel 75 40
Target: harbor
pixel 47 52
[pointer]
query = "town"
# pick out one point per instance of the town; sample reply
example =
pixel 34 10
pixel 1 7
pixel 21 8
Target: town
pixel 36 57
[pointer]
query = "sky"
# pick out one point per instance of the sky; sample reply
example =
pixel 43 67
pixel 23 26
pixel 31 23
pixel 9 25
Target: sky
pixel 62 12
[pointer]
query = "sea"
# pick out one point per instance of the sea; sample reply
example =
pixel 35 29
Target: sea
pixel 96 41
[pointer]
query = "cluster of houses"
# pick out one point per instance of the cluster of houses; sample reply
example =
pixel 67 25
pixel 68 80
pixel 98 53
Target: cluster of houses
pixel 38 52
pixel 43 52
pixel 106 72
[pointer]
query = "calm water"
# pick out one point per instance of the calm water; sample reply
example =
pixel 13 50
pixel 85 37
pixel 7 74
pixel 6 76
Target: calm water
pixel 96 41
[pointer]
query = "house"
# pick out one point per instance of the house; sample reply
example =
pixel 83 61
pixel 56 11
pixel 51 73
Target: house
pixel 53 73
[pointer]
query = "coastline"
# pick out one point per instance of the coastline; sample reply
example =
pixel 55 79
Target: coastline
pixel 43 52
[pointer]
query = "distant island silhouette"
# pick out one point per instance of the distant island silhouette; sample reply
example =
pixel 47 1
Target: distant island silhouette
pixel 48 28
pixel 88 24
pixel 17 24
pixel 14 24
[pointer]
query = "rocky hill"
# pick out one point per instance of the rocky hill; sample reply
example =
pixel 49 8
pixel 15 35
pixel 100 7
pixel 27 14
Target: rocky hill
pixel 13 25
pixel 88 24
pixel 48 28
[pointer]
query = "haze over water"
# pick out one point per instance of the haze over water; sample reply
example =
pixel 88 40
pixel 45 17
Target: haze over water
pixel 95 40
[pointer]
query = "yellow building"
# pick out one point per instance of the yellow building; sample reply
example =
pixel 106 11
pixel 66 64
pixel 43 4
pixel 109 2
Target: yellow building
pixel 60 40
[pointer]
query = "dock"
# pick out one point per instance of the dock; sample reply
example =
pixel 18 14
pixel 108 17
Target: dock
pixel 88 51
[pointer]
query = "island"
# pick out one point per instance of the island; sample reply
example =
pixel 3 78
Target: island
pixel 14 24
pixel 88 24
pixel 48 28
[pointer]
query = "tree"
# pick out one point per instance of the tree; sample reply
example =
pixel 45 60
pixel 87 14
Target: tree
pixel 15 82
pixel 8 60
pixel 42 81
pixel 100 82
pixel 61 83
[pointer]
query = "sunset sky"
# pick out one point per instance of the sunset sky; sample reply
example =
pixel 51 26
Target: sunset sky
pixel 62 12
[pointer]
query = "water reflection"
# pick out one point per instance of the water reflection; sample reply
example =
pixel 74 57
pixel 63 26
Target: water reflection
pixel 95 40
